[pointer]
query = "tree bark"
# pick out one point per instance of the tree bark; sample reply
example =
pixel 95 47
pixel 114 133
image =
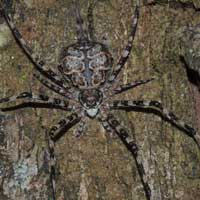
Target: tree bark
pixel 98 166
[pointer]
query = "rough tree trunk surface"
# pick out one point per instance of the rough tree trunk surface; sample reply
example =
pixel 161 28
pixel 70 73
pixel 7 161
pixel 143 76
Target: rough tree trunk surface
pixel 98 166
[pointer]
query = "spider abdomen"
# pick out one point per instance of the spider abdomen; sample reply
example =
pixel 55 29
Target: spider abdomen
pixel 86 65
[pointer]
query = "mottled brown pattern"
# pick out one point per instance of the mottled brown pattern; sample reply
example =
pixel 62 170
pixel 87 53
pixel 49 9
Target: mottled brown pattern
pixel 97 166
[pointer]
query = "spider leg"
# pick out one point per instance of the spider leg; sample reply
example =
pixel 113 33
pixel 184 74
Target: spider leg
pixel 111 123
pixel 56 132
pixel 128 48
pixel 123 88
pixel 82 34
pixel 53 87
pixel 39 65
pixel 107 127
pixel 91 21
pixel 81 129
pixel 32 100
pixel 157 108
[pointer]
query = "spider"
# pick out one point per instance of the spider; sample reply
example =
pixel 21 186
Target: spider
pixel 87 82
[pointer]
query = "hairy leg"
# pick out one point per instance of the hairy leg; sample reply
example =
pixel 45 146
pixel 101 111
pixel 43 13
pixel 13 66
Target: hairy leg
pixel 109 123
pixel 108 128
pixel 128 47
pixel 53 87
pixel 39 64
pixel 123 88
pixel 32 100
pixel 56 132
pixel 157 108
pixel 82 33
pixel 81 129
pixel 91 20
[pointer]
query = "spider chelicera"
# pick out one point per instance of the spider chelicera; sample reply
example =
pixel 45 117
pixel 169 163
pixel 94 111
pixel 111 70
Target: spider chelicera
pixel 87 82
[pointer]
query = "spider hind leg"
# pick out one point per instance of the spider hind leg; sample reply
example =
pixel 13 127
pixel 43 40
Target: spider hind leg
pixel 55 133
pixel 157 108
pixel 110 122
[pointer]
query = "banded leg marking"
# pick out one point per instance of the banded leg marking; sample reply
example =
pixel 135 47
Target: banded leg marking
pixel 55 133
pixel 40 65
pixel 111 123
pixel 123 88
pixel 81 129
pixel 63 126
pixel 53 87
pixel 91 20
pixel 107 127
pixel 156 107
pixel 128 48
pixel 32 100
pixel 82 33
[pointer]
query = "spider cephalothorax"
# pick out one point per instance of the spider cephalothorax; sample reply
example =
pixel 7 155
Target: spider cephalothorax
pixel 87 83
pixel 90 98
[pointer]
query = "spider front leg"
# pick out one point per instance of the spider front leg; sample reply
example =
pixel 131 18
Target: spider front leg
pixel 91 20
pixel 109 123
pixel 157 108
pixel 35 101
pixel 82 34
pixel 128 48
pixel 39 64
pixel 53 135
